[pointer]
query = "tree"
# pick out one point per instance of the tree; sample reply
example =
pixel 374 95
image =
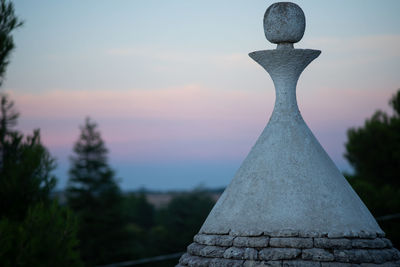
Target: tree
pixel 95 196
pixel 34 231
pixel 181 220
pixel 8 23
pixel 33 228
pixel 374 152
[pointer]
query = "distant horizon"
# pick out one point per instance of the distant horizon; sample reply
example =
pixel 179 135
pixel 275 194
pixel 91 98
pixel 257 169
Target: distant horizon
pixel 177 99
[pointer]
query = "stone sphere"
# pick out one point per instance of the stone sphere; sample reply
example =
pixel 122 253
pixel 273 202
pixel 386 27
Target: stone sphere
pixel 284 22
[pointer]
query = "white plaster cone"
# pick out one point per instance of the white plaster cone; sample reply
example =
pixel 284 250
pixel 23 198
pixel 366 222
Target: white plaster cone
pixel 288 182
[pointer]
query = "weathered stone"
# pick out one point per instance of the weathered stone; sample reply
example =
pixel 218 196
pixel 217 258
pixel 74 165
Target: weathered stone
pixel 341 243
pixel 283 233
pixel 205 239
pixel 364 234
pixel 291 242
pixel 383 255
pixel 184 259
pixel 250 254
pixel 353 256
pixel 300 263
pixel 386 264
pixel 368 243
pixel 221 262
pixel 278 253
pixel 224 240
pixel 261 241
pixel 195 261
pixel 312 234
pixel 234 253
pixel 246 232
pixel 317 254
pixel 338 264
pixel 195 248
pixel 388 242
pixel 251 263
pixel 212 251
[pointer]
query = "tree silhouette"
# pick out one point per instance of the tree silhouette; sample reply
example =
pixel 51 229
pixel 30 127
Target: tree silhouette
pixel 374 152
pixel 95 196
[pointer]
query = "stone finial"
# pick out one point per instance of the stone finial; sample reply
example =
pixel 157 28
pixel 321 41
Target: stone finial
pixel 284 24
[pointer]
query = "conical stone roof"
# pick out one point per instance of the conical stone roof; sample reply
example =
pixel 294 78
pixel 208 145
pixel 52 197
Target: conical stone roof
pixel 288 204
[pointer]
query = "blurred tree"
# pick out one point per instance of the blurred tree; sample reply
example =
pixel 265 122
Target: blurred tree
pixel 138 210
pixel 33 229
pixel 8 23
pixel 374 152
pixel 181 220
pixel 374 149
pixel 95 196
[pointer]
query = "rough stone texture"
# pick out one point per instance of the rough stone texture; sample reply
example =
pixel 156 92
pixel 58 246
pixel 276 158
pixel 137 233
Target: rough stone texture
pixel 338 264
pixel 195 248
pixel 205 239
pixel 284 23
pixel 253 242
pixel 368 243
pixel 212 251
pixel 225 263
pixel 340 243
pixel 224 241
pixel 335 252
pixel 288 204
pixel 293 242
pixel 300 263
pixel 317 254
pixel 279 253
pixel 234 253
pixel 263 264
pixel 250 254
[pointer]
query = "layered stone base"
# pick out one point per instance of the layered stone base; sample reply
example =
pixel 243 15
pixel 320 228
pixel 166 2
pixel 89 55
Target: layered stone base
pixel 229 250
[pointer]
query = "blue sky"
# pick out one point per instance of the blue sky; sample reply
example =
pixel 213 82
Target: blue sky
pixel 177 99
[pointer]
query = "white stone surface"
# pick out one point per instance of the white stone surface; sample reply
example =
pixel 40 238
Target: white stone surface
pixel 288 182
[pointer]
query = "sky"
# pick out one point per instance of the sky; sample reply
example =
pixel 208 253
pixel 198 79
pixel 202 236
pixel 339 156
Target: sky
pixel 177 99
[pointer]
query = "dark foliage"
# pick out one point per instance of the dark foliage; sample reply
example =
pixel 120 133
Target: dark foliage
pixel 8 23
pixel 96 198
pixel 374 152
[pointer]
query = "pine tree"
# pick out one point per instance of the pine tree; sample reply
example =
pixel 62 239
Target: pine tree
pixel 8 23
pixel 95 196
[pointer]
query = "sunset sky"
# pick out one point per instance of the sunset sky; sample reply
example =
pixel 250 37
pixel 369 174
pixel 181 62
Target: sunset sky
pixel 178 101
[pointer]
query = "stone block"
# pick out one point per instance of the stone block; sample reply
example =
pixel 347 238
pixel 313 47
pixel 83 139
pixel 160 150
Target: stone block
pixel 283 233
pixel 340 243
pixel 388 242
pixel 317 254
pixel 224 240
pixel 195 248
pixel 241 241
pixel 291 242
pixel 195 261
pixel 184 259
pixel 251 263
pixel 212 251
pixel 353 256
pixel 279 253
pixel 368 243
pixel 205 239
pixel 250 254
pixel 338 264
pixel 364 234
pixel 383 255
pixel 234 253
pixel 301 263
pixel 221 262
